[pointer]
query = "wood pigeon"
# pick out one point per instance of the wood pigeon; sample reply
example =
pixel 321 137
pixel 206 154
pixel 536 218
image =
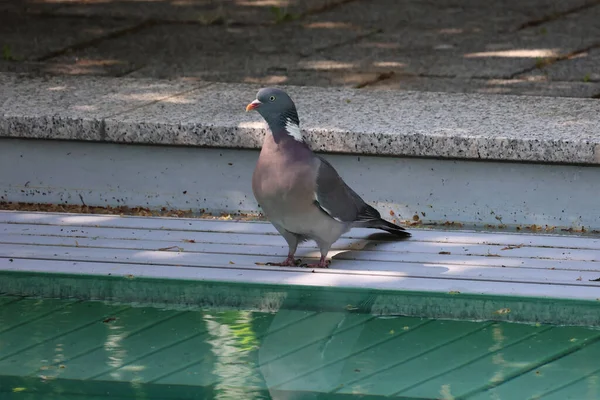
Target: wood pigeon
pixel 300 193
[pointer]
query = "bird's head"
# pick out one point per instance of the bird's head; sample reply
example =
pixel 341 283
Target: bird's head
pixel 271 102
pixel 278 109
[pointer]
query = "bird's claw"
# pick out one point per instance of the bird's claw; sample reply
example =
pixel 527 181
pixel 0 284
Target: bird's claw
pixel 318 265
pixel 289 262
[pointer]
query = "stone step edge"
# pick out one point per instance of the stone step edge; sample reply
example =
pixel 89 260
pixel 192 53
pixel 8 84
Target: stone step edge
pixel 334 120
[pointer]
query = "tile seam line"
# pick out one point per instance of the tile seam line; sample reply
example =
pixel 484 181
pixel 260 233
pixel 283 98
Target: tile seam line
pixel 522 339
pixel 198 87
pixel 204 333
pixel 143 24
pixel 421 354
pixel 166 347
pixel 539 364
pixel 40 316
pixel 272 234
pixel 275 247
pixel 573 382
pixel 206 230
pixel 351 354
pixel 197 361
pixel 57 14
pixel 286 270
pixel 555 16
pixel 60 335
pixel 96 40
pixel 342 43
pixel 157 21
pixel 280 356
pixel 281 253
pixel 549 61
pixel 326 7
pixel 126 336
pixel 15 300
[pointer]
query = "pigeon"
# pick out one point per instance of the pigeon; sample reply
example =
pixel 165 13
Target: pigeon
pixel 301 193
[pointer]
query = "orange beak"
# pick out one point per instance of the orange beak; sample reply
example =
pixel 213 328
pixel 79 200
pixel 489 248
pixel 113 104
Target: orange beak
pixel 253 106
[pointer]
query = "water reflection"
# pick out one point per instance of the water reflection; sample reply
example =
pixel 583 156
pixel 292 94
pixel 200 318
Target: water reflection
pixel 233 342
pixel 110 351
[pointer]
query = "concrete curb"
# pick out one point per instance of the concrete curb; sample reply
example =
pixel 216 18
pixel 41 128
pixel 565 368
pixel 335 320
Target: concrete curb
pixel 417 124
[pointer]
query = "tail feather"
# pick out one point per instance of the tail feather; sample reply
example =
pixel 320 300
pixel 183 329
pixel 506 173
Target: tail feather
pixel 369 217
pixel 388 227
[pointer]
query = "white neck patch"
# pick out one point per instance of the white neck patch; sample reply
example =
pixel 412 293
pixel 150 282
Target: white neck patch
pixel 293 130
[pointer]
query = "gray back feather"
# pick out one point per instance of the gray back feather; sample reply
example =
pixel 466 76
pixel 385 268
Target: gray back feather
pixel 338 200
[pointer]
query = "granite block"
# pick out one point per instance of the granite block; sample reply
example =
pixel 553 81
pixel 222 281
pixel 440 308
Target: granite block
pixel 74 108
pixel 336 120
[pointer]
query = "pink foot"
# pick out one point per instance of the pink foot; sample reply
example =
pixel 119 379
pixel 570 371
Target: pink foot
pixel 323 263
pixel 289 262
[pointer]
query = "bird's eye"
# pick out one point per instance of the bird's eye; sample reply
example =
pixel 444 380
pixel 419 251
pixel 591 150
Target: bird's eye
pixel 272 98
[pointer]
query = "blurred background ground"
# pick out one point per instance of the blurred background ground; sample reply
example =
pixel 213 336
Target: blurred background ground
pixel 527 47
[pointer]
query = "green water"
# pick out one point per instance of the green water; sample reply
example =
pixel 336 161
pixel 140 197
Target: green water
pixel 66 349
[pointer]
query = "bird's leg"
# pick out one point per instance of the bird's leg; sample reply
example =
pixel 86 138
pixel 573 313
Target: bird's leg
pixel 323 263
pixel 292 241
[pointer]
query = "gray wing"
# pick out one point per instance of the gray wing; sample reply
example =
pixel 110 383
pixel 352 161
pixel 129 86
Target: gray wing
pixel 337 199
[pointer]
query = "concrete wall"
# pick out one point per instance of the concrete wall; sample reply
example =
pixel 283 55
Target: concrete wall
pixel 218 180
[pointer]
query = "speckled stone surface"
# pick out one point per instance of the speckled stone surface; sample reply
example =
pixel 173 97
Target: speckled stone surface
pixel 72 108
pixel 420 124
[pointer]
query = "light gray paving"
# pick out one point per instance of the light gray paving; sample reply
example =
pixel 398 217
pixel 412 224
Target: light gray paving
pixel 27 37
pixel 530 86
